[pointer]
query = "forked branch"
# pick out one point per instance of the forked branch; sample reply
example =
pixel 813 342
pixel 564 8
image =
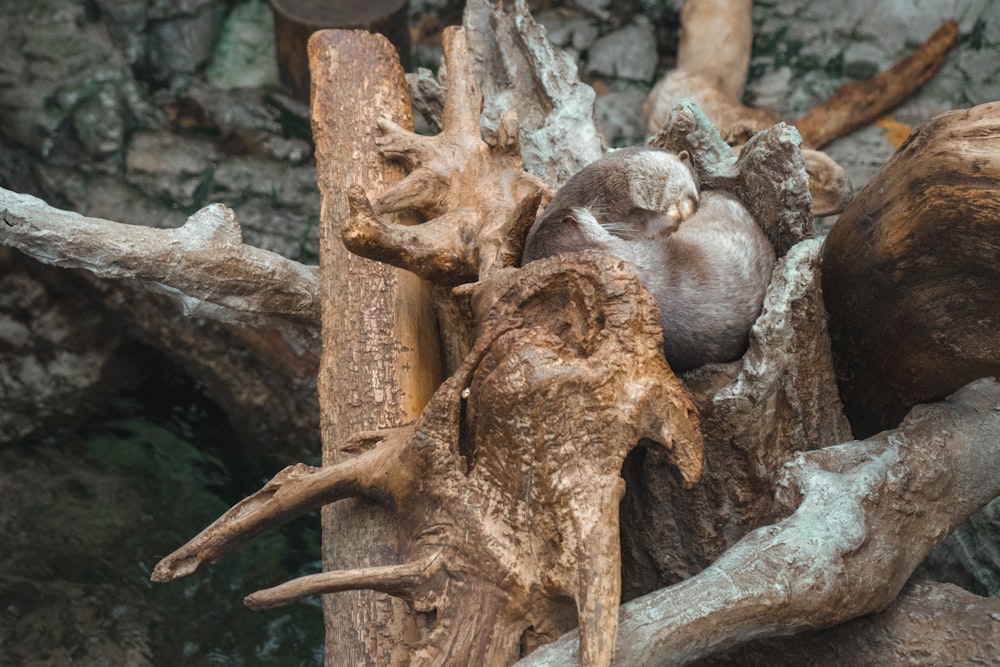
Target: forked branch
pixel 479 198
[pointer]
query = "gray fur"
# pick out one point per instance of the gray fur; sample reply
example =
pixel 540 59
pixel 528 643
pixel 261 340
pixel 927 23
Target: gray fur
pixel 708 268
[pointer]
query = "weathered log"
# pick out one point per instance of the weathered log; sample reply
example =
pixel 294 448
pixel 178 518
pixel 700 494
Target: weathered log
pixel 203 265
pixel 713 60
pixel 380 355
pixel 849 546
pixel 911 269
pixel 929 624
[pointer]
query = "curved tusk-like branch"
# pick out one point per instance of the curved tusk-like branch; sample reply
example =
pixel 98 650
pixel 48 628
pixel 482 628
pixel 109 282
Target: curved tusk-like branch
pixel 293 492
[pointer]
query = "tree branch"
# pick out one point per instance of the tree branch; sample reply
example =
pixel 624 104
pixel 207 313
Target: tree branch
pixel 402 581
pixel 293 492
pixel 203 264
pixel 859 103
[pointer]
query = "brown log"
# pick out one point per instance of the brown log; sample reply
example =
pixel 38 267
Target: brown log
pixel 859 103
pixel 296 20
pixel 911 272
pixel 380 355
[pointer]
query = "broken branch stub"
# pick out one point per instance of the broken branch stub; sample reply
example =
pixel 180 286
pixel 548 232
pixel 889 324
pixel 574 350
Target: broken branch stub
pixel 507 488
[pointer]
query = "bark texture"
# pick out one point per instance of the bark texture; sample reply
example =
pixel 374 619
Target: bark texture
pixel 910 272
pixel 380 359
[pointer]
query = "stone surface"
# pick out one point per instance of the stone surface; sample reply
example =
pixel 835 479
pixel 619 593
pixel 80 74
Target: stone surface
pixel 54 76
pixel 805 49
pixel 628 53
pixel 244 56
pixel 54 352
pixel 619 113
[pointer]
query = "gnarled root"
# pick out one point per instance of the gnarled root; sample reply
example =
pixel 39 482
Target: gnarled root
pixel 507 488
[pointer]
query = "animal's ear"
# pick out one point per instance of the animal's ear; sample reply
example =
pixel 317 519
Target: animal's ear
pixel 685 158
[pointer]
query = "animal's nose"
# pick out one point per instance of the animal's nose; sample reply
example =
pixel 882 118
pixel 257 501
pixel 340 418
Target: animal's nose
pixel 687 206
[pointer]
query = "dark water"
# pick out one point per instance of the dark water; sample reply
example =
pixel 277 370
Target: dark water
pixel 88 510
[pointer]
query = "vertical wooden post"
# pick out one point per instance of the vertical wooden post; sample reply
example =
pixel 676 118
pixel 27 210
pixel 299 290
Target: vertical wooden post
pixel 380 360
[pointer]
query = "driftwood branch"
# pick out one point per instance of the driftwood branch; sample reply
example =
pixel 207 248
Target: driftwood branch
pixel 928 624
pixel 204 264
pixel 860 103
pixel 294 491
pixel 837 556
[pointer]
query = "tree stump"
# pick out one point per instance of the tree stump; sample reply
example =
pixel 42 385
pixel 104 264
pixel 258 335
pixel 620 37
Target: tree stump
pixel 911 276
pixel 296 20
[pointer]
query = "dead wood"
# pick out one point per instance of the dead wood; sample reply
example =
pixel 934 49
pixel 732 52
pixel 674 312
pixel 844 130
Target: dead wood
pixel 712 71
pixel 500 527
pixel 469 189
pixel 860 103
pixel 910 272
pixel 381 360
pixel 929 624
pixel 713 60
pixel 756 413
pixel 203 265
pixel 850 544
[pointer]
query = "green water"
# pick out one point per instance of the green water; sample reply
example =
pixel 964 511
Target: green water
pixel 87 512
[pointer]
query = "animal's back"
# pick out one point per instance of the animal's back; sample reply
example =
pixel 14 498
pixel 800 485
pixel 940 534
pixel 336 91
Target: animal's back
pixel 710 283
pixel 708 275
